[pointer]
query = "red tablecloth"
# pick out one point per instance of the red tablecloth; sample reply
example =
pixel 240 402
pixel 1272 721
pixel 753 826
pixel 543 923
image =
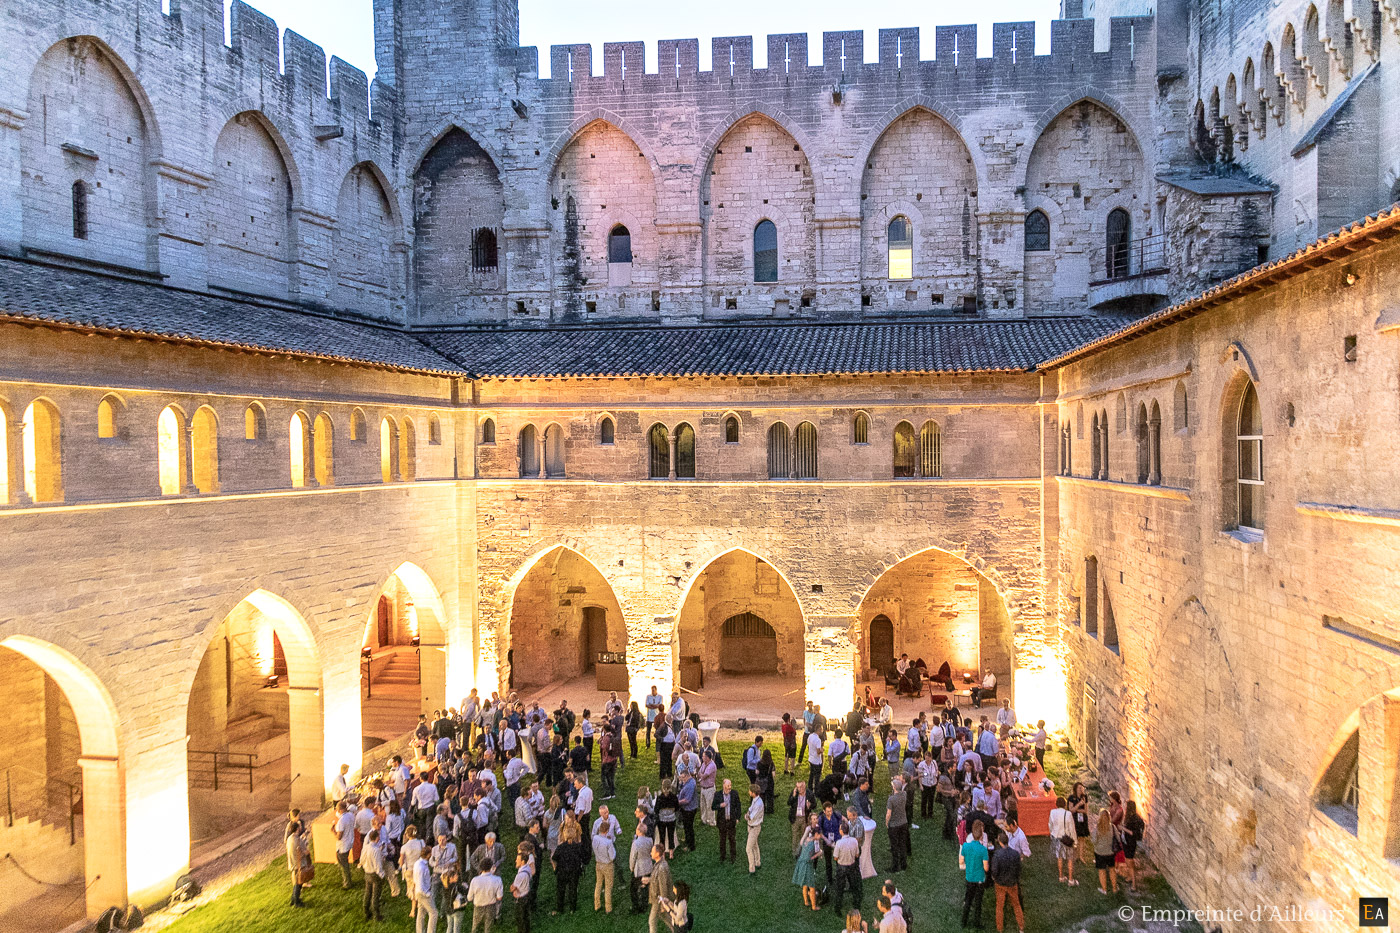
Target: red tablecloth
pixel 1033 808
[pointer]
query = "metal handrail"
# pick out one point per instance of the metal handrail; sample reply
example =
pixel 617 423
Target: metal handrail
pixel 74 799
pixel 247 762
pixel 1133 257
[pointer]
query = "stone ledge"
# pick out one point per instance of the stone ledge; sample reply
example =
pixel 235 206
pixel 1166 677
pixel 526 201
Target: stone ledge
pixel 1351 513
pixel 1139 489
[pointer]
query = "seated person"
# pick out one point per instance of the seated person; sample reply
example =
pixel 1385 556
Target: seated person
pixel 892 677
pixel 945 676
pixel 988 688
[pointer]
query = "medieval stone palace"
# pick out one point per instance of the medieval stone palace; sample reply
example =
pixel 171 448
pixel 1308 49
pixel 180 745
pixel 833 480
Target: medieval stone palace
pixel 1079 362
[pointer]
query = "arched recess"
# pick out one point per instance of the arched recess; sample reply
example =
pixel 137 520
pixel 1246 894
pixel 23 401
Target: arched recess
pixel 757 171
pixel 89 122
pixel 740 585
pixel 921 168
pixel 74 735
pixel 256 700
pixel 555 630
pixel 403 667
pixel 365 269
pixel 41 437
pixel 940 609
pixel 1086 154
pixel 599 180
pixel 457 193
pixel 204 450
pixel 250 203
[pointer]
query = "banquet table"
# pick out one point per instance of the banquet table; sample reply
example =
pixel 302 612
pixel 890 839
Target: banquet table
pixel 1033 806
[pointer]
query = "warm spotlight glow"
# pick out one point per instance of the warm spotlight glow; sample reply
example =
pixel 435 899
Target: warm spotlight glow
pixel 832 689
pixel 4 460
pixel 168 451
pixel 297 438
pixel 411 615
pixel 263 651
pixel 1040 692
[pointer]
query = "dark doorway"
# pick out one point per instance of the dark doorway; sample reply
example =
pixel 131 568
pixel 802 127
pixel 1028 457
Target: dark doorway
pixel 386 621
pixel 748 645
pixel 1119 237
pixel 881 643
pixel 594 640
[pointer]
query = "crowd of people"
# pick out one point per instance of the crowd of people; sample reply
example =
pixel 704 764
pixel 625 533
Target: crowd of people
pixel 429 829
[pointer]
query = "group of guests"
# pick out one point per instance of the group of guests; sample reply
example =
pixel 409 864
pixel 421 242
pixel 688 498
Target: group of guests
pixel 429 829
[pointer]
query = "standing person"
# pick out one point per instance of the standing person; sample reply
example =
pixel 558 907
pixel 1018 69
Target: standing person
pixel 665 746
pixel 655 702
pixel 726 804
pixel 609 751
pixel 814 757
pixel 298 857
pixel 340 786
pixel 344 830
pixel 412 849
pixel 520 890
pixel 668 807
pixel 751 756
pixel 1078 801
pixel 973 859
pixel 830 825
pixel 372 863
pixel 604 857
pixel 659 887
pixel 789 743
pixel 568 860
pixel 678 909
pixel 633 724
pixel 1133 828
pixel 798 807
pixel 897 826
pixel 804 874
pixel 689 800
pixel 485 894
pixel 755 820
pixel 1005 867
pixel 948 797
pixel 706 780
pixel 846 854
pixel 1103 836
pixel 767 780
pixel 424 906
pixel 927 770
pixel 455 901
pixel 891 916
pixel 639 865
pixel 1040 740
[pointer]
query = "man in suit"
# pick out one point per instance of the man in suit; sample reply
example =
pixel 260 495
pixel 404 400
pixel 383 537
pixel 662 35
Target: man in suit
pixel 727 810
pixel 658 886
pixel 799 805
pixel 639 863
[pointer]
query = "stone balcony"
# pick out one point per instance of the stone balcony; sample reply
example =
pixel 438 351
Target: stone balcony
pixel 1133 275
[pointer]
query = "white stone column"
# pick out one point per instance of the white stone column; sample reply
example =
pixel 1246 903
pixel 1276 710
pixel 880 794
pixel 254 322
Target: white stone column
pixel 671 446
pixel 830 663
pixel 187 458
pixel 308 747
pixel 181 225
pixel 14 457
pixel 104 834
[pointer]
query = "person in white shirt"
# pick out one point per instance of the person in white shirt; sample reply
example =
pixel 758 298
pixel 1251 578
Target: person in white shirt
pixel 1040 740
pixel 344 830
pixel 485 893
pixel 1006 716
pixel 989 685
pixel 364 822
pixel 425 803
pixel 423 902
pixel 1016 838
pixel 914 743
pixel 604 857
pixel 606 824
pixel 340 785
pixel 814 759
pixel 373 865
pixel 1061 829
pixel 520 890
pixel 755 820
pixel 678 707
pixel 891 916
pixel 399 776
pixel 583 800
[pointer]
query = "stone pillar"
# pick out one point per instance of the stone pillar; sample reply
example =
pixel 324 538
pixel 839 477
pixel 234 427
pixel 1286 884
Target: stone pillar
pixel 12 121
pixel 312 234
pixel 838 258
pixel 652 656
pixel 308 747
pixel 181 225
pixel 679 259
pixel 671 446
pixel 187 459
pixel 157 802
pixel 830 663
pixel 432 675
pixel 14 458
pixel 539 443
pixel 104 834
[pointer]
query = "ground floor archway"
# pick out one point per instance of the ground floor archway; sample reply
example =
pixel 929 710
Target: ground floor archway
pixel 403 656
pixel 254 720
pixel 65 788
pixel 564 619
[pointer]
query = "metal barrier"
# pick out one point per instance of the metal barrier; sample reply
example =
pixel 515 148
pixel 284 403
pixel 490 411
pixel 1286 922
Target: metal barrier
pixel 43 811
pixel 213 763
pixel 1133 257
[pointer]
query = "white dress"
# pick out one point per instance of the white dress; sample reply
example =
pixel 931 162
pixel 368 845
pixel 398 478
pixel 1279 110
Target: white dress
pixel 867 863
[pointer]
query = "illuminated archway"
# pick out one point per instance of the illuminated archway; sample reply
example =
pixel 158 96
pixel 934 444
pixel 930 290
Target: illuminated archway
pixel 563 615
pixel 81 741
pixel 403 666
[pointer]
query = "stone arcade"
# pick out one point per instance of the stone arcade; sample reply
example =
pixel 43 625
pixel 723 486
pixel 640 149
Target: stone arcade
pixel 323 402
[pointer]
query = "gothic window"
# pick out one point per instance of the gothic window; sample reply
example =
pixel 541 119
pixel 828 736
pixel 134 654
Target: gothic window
pixel 903 449
pixel 529 451
pixel 80 210
pixel 170 451
pixel 323 450
pixel 659 452
pixel 388 450
pixel 607 432
pixel 779 451
pixel 359 429
pixel 204 450
pixel 860 428
pixel 731 430
pixel 901 248
pixel 484 250
pixel 554 450
pixel 1181 415
pixel 765 252
pixel 255 422
pixel 1037 232
pixel 1249 440
pixel 930 450
pixel 1118 236
pixel 1339 793
pixel 434 429
pixel 488 431
pixel 298 437
pixel 1142 438
pixel 619 245
pixel 109 417
pixel 1091 596
pixel 685 452
pixel 805 463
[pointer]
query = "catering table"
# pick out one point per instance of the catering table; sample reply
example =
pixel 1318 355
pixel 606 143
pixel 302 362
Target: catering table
pixel 1033 806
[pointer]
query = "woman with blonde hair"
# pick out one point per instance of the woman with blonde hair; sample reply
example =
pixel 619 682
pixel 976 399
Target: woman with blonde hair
pixel 1103 835
pixel 854 923
pixel 804 875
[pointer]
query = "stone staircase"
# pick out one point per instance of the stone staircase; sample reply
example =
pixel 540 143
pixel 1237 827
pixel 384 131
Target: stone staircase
pixel 394 702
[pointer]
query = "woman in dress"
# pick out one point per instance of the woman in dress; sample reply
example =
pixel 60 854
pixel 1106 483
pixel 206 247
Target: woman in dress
pixel 1133 828
pixel 804 874
pixel 765 781
pixel 668 807
pixel 1104 835
pixel 554 822
pixel 1078 801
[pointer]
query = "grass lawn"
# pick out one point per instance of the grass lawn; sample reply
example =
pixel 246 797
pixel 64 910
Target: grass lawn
pixel 723 897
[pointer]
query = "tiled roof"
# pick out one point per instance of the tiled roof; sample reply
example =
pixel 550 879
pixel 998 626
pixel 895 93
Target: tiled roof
pixel 789 349
pixel 63 297
pixel 1382 225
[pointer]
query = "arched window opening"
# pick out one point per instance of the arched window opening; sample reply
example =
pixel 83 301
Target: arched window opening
pixel 1154 445
pixel 748 644
pixel 1103 445
pixel 80 210
pixel 483 250
pixel 170 452
pixel 860 428
pixel 765 252
pixel 900 235
pixel 1037 232
pixel 685 452
pixel 607 432
pixel 1339 792
pixel 931 450
pixel 1096 451
pixel 1118 239
pixel 108 417
pixel 1091 596
pixel 1109 627
pixel 619 244
pixel 434 429
pixel 408 451
pixel 204 450
pixel 323 450
pixel 554 451
pixel 658 452
pixel 1181 415
pixel 1142 441
pixel 529 452
pixel 299 436
pixel 880 644
pixel 359 429
pixel 1249 438
pixel 255 423
pixel 488 431
pixel 779 451
pixel 731 430
pixel 805 465
pixel 43 474
pixel 388 450
pixel 903 450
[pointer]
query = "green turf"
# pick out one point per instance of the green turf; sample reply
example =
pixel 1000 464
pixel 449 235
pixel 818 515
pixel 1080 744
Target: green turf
pixel 723 897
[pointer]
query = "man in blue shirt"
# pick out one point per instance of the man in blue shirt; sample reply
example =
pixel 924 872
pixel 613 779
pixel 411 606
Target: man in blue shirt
pixel 654 703
pixel 689 798
pixel 973 860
